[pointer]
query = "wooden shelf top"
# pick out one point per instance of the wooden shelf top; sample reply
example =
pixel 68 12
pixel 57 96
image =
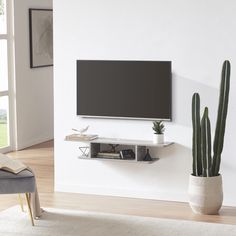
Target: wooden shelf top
pixel 147 143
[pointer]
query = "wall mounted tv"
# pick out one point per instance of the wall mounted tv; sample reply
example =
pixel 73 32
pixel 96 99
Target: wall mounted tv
pixel 124 89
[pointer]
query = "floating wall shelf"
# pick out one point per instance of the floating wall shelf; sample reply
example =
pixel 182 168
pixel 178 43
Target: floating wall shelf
pixel 89 149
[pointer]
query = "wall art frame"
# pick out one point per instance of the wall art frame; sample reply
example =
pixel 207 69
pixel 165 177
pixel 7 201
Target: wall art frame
pixel 41 37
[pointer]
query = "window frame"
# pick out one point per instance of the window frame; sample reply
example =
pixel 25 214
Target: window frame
pixel 9 37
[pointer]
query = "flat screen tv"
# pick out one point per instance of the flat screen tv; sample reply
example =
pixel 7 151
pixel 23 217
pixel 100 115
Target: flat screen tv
pixel 124 89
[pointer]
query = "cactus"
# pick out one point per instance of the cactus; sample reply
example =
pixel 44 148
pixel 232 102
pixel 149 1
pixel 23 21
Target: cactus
pixel 206 145
pixel 196 151
pixel 203 163
pixel 221 118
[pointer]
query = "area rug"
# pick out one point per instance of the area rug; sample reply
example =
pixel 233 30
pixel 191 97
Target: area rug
pixel 58 222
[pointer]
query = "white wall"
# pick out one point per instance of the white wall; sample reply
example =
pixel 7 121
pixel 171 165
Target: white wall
pixel 196 36
pixel 34 87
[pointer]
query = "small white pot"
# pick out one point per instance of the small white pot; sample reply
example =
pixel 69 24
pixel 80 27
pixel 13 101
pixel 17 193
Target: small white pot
pixel 205 194
pixel 158 138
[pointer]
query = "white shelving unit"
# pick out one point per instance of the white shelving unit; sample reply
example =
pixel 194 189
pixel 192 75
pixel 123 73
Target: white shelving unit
pixel 89 149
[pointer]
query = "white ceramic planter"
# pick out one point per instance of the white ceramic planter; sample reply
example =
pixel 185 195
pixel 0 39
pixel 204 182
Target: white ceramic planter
pixel 205 194
pixel 158 138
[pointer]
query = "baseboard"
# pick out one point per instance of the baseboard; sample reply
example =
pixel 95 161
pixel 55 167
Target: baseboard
pixel 32 142
pixel 122 192
pixel 130 193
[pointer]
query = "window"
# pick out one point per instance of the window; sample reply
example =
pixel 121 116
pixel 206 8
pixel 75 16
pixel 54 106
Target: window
pixel 3 21
pixel 4 124
pixel 4 79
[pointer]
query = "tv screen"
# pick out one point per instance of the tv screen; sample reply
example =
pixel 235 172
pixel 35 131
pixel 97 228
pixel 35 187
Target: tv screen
pixel 124 89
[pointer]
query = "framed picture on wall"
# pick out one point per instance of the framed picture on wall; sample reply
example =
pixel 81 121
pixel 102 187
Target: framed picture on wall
pixel 41 37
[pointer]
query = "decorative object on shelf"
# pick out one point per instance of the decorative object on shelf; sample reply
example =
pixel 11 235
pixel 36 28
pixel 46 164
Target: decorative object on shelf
pixel 159 128
pixel 41 37
pixel 81 131
pixel 205 185
pixel 80 136
pixel 113 147
pixel 84 151
pixel 127 154
pixel 147 156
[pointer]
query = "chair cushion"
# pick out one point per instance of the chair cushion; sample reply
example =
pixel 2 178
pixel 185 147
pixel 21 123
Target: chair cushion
pixel 23 182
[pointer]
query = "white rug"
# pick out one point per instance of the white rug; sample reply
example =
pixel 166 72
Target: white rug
pixel 56 222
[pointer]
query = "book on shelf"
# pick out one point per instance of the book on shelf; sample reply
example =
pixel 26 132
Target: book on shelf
pixel 10 165
pixel 81 137
pixel 108 155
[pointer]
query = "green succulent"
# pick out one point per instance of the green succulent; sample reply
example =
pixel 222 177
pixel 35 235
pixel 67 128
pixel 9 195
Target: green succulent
pixel 158 127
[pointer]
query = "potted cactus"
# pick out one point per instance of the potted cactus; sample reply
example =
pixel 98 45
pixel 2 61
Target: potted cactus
pixel 205 185
pixel 159 128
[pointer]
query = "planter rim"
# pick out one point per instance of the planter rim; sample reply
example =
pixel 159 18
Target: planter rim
pixel 202 177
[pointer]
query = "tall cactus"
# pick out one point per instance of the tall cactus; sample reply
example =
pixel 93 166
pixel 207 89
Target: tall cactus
pixel 206 145
pixel 221 118
pixel 196 150
pixel 203 163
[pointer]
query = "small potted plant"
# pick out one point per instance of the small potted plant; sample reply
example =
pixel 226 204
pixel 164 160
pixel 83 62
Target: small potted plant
pixel 159 128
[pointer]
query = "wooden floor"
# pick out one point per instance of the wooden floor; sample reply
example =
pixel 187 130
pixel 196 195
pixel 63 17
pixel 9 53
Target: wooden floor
pixel 40 159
